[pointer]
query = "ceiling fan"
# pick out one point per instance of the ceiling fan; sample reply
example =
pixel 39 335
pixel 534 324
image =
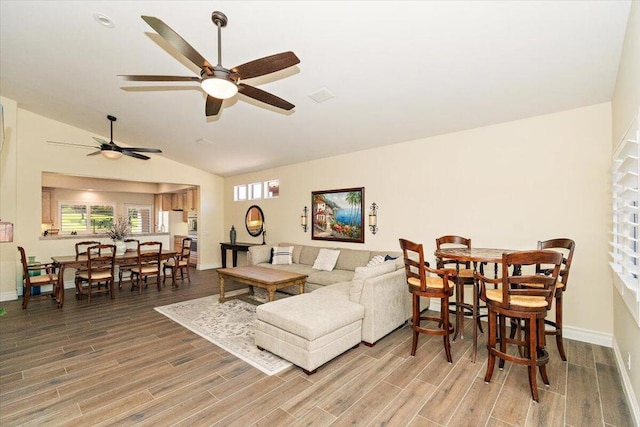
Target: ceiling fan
pixel 217 81
pixel 111 150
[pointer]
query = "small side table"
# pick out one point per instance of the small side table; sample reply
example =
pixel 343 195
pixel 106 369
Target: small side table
pixel 234 248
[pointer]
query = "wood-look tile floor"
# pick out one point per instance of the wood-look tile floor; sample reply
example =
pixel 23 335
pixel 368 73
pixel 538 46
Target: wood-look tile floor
pixel 119 362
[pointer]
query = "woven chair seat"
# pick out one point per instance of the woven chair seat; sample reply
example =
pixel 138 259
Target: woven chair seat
pixel 103 275
pixel 431 282
pixel 517 300
pixel 43 279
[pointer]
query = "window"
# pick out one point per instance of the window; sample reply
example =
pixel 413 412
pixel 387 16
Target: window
pixel 239 193
pixel 83 218
pixel 255 191
pixel 624 242
pixel 139 218
pixel 272 189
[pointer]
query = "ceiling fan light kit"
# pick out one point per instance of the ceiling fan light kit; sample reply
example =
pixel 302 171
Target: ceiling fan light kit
pixel 220 88
pixel 218 82
pixel 111 154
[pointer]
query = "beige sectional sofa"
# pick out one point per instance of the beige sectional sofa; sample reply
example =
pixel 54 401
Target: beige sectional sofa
pixel 342 307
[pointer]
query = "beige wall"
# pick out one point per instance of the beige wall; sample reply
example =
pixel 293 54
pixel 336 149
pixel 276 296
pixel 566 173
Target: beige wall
pixel 33 155
pixel 625 105
pixel 505 186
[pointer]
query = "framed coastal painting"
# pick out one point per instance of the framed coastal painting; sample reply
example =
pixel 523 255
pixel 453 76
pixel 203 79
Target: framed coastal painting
pixel 338 215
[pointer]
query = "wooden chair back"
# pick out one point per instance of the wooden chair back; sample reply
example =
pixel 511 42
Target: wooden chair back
pixel 101 261
pixel 451 241
pixel 516 285
pixel 567 246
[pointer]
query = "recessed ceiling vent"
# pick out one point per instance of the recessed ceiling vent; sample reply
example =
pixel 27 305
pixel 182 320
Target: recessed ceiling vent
pixel 322 95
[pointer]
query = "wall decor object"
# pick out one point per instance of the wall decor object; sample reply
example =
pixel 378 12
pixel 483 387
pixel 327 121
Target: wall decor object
pixel 338 215
pixel 373 218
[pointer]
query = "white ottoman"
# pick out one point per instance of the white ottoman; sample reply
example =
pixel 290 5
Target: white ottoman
pixel 309 330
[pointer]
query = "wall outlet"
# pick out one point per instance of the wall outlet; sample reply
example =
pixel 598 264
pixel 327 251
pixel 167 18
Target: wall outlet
pixel 628 361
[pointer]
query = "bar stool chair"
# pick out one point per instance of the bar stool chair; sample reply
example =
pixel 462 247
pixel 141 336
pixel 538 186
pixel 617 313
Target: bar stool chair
pixel 421 285
pixel 461 275
pixel 566 246
pixel 526 298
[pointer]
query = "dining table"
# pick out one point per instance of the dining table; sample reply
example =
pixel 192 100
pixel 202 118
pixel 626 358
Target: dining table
pixel 475 256
pixel 78 261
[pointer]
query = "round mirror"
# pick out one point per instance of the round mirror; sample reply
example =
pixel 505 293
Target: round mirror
pixel 254 221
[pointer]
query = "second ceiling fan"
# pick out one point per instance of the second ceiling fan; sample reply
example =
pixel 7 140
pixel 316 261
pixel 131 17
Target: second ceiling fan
pixel 217 81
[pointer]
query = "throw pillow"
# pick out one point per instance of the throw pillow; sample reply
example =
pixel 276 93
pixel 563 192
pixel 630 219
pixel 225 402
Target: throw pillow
pixel 326 259
pixel 389 258
pixel 377 259
pixel 282 255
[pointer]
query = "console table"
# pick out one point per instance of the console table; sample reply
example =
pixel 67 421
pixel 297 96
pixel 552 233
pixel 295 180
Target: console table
pixel 235 248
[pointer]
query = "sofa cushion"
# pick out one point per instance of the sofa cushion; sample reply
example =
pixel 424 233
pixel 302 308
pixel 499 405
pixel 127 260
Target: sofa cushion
pixel 293 314
pixel 325 278
pixel 282 255
pixel 350 259
pixel 308 254
pixel 326 259
pixel 296 251
pixel 260 254
pixel 364 273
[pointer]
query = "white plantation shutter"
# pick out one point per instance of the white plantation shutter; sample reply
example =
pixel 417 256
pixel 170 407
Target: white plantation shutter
pixel 624 242
pixel 140 218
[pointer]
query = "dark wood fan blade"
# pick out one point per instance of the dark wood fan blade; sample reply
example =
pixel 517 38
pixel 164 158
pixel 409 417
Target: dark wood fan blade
pixel 176 41
pixel 148 78
pixel 262 96
pixel 72 144
pixel 142 150
pixel 100 141
pixel 95 153
pixel 212 107
pixel 266 65
pixel 136 155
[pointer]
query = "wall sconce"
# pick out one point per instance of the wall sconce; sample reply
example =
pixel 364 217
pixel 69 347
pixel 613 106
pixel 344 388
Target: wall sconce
pixel 303 219
pixel 373 218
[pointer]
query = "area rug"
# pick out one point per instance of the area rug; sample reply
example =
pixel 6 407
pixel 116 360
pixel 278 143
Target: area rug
pixel 229 325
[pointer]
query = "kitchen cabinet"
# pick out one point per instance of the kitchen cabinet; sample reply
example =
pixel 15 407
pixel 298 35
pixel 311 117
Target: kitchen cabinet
pixel 166 202
pixel 46 207
pixel 177 202
pixel 192 199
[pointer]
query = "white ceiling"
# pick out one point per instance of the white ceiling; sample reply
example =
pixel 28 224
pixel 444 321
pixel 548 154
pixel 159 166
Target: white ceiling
pixel 399 71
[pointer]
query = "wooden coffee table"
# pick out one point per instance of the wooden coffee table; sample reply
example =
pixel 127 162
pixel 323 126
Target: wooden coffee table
pixel 270 279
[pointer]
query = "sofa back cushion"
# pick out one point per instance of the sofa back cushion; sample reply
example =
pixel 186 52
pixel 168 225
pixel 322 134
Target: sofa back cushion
pixel 308 254
pixel 363 273
pixel 350 259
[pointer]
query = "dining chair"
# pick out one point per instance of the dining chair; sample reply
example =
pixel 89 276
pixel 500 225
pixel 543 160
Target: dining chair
pixel 81 250
pixel 462 275
pixel 525 296
pixel 422 285
pixel 35 276
pixel 566 247
pixel 147 265
pixel 125 267
pixel 101 261
pixel 180 262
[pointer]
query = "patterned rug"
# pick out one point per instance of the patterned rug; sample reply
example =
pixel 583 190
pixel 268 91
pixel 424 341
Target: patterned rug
pixel 229 325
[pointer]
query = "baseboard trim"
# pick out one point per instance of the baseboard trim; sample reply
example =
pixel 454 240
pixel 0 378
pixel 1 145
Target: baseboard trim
pixel 8 296
pixel 632 399
pixel 578 334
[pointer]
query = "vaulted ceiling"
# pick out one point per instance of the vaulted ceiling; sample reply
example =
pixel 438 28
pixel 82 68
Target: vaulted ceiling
pixel 398 71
